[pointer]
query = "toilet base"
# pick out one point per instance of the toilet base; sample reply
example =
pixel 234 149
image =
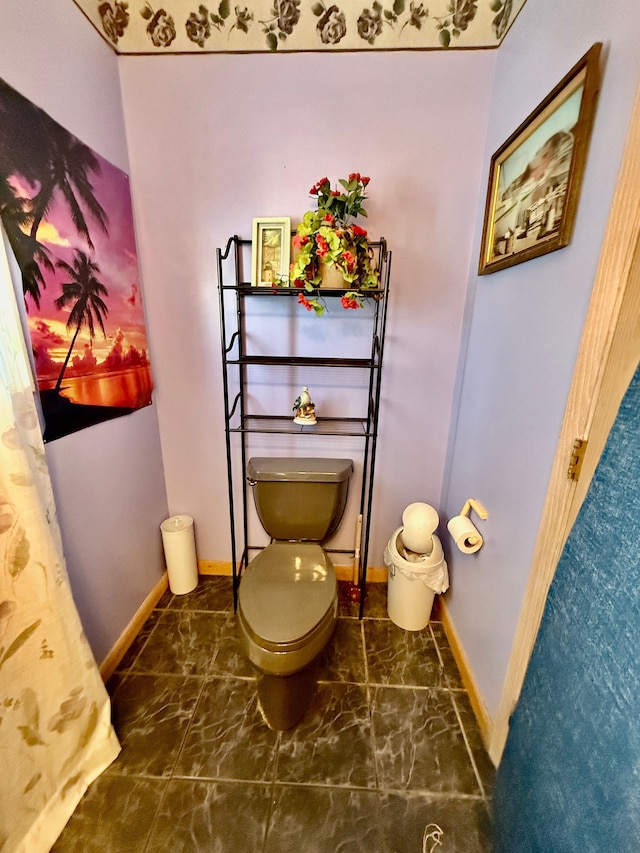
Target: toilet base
pixel 284 699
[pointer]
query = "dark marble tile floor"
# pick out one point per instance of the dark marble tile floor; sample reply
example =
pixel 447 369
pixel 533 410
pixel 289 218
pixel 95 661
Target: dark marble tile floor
pixel 388 758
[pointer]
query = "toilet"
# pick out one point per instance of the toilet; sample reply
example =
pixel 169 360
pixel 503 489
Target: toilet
pixel 288 594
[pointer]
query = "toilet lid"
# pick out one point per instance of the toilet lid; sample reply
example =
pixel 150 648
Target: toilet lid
pixel 287 590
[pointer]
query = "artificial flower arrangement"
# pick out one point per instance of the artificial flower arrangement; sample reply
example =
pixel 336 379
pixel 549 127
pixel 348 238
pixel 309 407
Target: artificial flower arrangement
pixel 328 236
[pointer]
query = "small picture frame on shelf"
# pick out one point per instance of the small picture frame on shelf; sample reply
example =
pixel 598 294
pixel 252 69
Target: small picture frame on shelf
pixel 270 250
pixel 535 176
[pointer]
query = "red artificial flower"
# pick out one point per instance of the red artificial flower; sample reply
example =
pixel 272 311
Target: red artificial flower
pixel 329 219
pixel 365 181
pixel 302 299
pixel 323 246
pixel 335 192
pixel 299 241
pixel 315 189
pixel 358 231
pixel 349 302
pixel 350 261
pixel 354 176
pixel 298 282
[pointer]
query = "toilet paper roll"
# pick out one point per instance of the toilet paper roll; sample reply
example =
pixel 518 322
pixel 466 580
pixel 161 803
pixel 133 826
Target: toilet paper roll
pixel 465 534
pixel 180 553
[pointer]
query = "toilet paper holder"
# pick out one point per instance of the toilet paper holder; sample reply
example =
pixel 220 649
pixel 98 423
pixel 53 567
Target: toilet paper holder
pixel 472 503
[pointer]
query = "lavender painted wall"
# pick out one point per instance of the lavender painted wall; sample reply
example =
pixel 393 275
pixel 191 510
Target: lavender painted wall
pixel 213 141
pixel 524 326
pixel 217 140
pixel 108 479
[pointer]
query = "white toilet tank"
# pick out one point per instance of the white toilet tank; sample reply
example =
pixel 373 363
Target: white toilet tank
pixel 299 498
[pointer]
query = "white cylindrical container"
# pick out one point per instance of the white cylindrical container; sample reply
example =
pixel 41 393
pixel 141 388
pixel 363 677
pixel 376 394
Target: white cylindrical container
pixel 180 553
pixel 412 586
pixel 409 601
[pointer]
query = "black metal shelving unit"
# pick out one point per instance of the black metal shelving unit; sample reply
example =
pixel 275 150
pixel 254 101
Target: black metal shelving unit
pixel 234 291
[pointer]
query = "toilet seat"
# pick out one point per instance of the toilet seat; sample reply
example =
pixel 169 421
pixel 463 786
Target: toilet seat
pixel 287 606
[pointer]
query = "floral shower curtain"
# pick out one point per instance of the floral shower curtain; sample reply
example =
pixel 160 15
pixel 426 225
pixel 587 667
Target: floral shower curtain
pixel 56 735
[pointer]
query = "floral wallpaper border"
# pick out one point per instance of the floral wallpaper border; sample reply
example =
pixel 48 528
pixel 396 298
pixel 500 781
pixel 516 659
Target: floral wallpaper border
pixel 256 26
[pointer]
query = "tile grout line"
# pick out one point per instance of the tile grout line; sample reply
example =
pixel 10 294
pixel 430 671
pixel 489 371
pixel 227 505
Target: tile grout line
pixel 452 694
pixel 275 787
pixel 167 781
pixel 272 791
pixel 387 789
pixel 143 646
pixel 164 794
pixel 370 703
pixel 188 728
pixel 468 745
pixel 437 648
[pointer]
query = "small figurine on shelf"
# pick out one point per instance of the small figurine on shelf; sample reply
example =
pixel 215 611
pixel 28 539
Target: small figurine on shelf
pixel 305 411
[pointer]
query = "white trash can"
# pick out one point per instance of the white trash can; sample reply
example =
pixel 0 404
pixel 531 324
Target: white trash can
pixel 180 553
pixel 412 586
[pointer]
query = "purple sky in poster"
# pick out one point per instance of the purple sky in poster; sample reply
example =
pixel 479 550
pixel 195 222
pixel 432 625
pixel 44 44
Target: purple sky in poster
pixel 115 254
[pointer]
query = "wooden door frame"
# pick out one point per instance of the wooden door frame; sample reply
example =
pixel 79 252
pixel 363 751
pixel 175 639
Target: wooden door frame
pixel 601 358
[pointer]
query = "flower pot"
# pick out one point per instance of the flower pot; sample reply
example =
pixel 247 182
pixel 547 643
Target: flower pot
pixel 332 277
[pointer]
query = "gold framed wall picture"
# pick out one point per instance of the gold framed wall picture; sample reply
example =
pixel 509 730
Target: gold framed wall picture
pixel 536 175
pixel 270 250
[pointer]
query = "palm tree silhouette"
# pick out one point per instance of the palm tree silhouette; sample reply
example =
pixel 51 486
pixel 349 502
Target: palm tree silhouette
pixel 23 152
pixel 86 292
pixel 39 150
pixel 67 167
pixel 30 254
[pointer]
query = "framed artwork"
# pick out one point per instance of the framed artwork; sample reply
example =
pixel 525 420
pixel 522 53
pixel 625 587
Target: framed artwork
pixel 270 250
pixel 535 176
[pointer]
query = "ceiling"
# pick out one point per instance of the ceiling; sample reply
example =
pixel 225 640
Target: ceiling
pixel 258 26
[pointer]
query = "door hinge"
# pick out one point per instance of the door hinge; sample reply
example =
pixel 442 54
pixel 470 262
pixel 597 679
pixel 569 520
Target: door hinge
pixel 576 458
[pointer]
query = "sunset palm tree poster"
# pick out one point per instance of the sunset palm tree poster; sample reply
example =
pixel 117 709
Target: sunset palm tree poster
pixel 68 218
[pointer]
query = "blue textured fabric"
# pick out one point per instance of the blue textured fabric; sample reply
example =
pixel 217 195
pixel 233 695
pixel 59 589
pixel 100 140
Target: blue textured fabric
pixel 569 780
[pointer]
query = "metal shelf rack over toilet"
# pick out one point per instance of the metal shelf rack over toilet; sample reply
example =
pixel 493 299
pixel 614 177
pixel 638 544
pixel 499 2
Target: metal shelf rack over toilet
pixel 234 290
